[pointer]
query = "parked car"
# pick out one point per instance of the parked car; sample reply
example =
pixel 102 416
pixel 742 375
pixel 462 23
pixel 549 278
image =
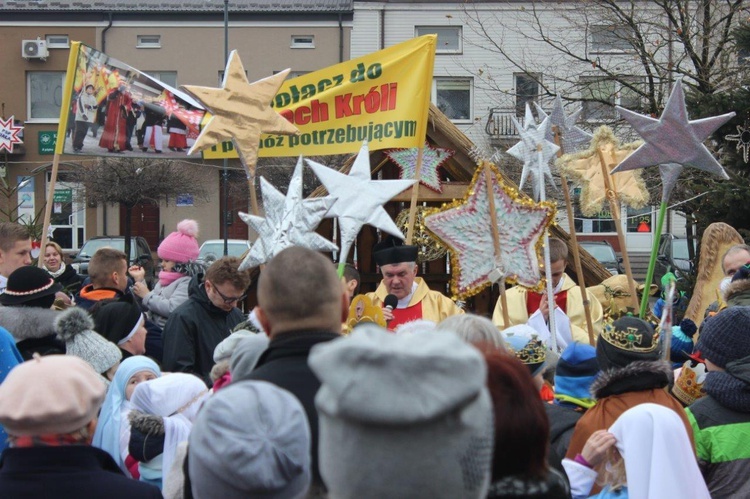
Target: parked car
pixel 673 256
pixel 213 249
pixel 605 254
pixel 140 254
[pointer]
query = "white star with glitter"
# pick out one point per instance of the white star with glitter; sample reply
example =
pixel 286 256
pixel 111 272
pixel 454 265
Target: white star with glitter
pixel 432 159
pixel 673 138
pixel 359 199
pixel 572 138
pixel 532 138
pixel 290 221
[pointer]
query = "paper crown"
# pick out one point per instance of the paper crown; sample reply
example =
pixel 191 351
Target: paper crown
pixel 688 387
pixel 630 334
pixel 362 309
pixel 392 250
pixel 533 352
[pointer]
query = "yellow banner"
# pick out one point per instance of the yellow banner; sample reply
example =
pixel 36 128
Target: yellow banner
pixel 383 98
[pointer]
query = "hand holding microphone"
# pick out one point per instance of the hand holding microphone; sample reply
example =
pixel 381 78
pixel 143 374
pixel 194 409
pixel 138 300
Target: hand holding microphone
pixel 390 302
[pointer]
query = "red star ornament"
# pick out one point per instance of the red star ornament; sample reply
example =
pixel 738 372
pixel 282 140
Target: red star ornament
pixel 10 134
pixel 464 227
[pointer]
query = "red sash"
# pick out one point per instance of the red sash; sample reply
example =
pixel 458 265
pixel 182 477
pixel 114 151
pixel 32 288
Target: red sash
pixel 404 315
pixel 534 299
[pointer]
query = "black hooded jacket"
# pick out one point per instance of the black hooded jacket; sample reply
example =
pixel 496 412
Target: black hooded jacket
pixel 193 330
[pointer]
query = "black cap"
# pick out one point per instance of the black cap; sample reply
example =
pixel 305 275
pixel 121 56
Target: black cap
pixel 393 250
pixel 30 286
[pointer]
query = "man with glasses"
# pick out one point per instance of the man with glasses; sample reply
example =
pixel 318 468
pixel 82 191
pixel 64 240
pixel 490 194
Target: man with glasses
pixel 208 316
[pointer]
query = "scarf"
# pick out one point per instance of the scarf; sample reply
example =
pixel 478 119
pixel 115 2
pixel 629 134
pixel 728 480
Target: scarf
pixel 107 434
pixel 167 278
pixel 59 271
pixel 50 440
pixel 732 387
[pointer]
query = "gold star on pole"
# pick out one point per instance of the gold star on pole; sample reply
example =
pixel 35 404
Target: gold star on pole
pixel 241 112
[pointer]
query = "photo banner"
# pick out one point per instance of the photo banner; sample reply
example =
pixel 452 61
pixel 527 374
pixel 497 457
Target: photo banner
pixel 383 98
pixel 112 109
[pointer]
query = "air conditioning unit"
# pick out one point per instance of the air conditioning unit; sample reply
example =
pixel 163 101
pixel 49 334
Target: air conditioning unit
pixel 34 49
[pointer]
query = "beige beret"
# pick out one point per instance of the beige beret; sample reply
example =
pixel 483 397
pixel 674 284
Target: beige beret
pixel 55 394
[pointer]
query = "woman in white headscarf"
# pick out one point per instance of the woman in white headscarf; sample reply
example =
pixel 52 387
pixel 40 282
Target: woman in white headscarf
pixel 163 413
pixel 645 454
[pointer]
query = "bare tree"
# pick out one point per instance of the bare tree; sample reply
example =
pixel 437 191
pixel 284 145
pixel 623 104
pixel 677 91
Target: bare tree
pixel 129 181
pixel 609 52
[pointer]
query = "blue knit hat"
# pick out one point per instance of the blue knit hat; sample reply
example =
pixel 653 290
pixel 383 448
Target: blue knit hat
pixel 576 370
pixel 681 345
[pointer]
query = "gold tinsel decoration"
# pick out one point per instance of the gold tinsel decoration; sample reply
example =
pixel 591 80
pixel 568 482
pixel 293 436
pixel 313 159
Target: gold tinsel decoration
pixel 430 248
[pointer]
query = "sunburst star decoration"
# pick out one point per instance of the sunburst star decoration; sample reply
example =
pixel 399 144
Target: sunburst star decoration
pixel 573 139
pixel 742 137
pixel 290 221
pixel 432 159
pixel 533 138
pixel 359 199
pixel 586 170
pixel 464 226
pixel 10 134
pixel 241 112
pixel 673 138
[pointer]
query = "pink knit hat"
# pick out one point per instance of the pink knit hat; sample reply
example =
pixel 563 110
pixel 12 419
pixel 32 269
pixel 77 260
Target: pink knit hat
pixel 181 246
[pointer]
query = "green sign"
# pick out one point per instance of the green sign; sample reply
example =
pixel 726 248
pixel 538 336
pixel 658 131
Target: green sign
pixel 47 141
pixel 63 196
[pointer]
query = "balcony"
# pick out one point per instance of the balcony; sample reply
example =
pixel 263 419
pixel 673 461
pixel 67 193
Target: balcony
pixel 500 127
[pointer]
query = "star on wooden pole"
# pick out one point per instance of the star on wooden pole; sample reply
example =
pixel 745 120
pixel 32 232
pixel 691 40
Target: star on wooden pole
pixel 432 159
pixel 535 165
pixel 573 138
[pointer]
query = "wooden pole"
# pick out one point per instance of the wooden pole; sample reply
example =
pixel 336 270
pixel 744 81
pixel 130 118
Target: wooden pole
pixel 48 208
pixel 496 241
pixel 576 253
pixel 253 194
pixel 414 197
pixel 615 208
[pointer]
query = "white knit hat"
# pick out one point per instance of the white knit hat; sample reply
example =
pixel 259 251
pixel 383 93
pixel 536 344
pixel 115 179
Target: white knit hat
pixel 402 416
pixel 75 327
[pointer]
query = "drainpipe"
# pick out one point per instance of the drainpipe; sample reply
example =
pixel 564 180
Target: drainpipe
pixel 341 39
pixel 104 49
pixel 382 28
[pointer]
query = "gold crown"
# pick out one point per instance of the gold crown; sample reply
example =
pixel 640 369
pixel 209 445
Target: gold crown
pixel 628 339
pixel 688 387
pixel 533 353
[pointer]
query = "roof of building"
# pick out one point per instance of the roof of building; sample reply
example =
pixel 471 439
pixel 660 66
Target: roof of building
pixel 155 6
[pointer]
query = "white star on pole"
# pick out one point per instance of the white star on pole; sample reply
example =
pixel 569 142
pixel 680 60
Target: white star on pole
pixel 572 138
pixel 527 151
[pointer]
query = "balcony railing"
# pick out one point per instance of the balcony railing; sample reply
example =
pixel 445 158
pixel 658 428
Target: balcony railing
pixel 500 124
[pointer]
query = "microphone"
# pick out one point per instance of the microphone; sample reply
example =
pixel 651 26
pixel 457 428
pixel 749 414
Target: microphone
pixel 390 302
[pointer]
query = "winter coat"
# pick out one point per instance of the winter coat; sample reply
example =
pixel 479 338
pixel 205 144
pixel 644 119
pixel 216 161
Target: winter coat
pixel 562 422
pixel 69 280
pixel 193 330
pixel 284 363
pixel 516 487
pixel 162 301
pixel 33 329
pixel 617 390
pixel 721 423
pixel 738 293
pixel 67 472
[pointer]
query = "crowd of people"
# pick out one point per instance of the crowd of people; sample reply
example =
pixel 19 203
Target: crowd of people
pixel 110 387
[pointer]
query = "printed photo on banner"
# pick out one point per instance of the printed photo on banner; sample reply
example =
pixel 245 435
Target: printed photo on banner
pixel 382 98
pixel 117 110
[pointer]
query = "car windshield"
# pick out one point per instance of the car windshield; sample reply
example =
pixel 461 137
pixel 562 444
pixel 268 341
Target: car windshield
pixel 217 249
pixel 601 252
pixel 93 245
pixel 680 249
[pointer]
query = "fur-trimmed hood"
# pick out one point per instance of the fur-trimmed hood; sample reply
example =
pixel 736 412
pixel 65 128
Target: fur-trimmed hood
pixel 636 376
pixel 28 322
pixel 738 292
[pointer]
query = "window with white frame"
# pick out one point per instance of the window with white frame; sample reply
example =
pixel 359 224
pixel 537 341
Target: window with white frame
pixel 57 41
pixel 44 95
pixel 611 38
pixel 148 41
pixel 454 97
pixel 303 42
pixel 448 38
pixel 600 95
pixel 166 77
pixel 527 90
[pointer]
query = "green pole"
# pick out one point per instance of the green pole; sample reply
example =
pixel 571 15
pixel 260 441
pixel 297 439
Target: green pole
pixel 652 261
pixel 342 264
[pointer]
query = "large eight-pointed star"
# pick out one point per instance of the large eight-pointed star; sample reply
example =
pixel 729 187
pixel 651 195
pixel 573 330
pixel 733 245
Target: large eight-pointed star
pixel 464 226
pixel 359 199
pixel 241 112
pixel 533 142
pixel 672 138
pixel 290 221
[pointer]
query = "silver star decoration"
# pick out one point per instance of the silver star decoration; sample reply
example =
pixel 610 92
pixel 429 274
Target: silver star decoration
pixel 290 221
pixel 742 137
pixel 359 199
pixel 572 138
pixel 527 151
pixel 669 173
pixel 672 138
